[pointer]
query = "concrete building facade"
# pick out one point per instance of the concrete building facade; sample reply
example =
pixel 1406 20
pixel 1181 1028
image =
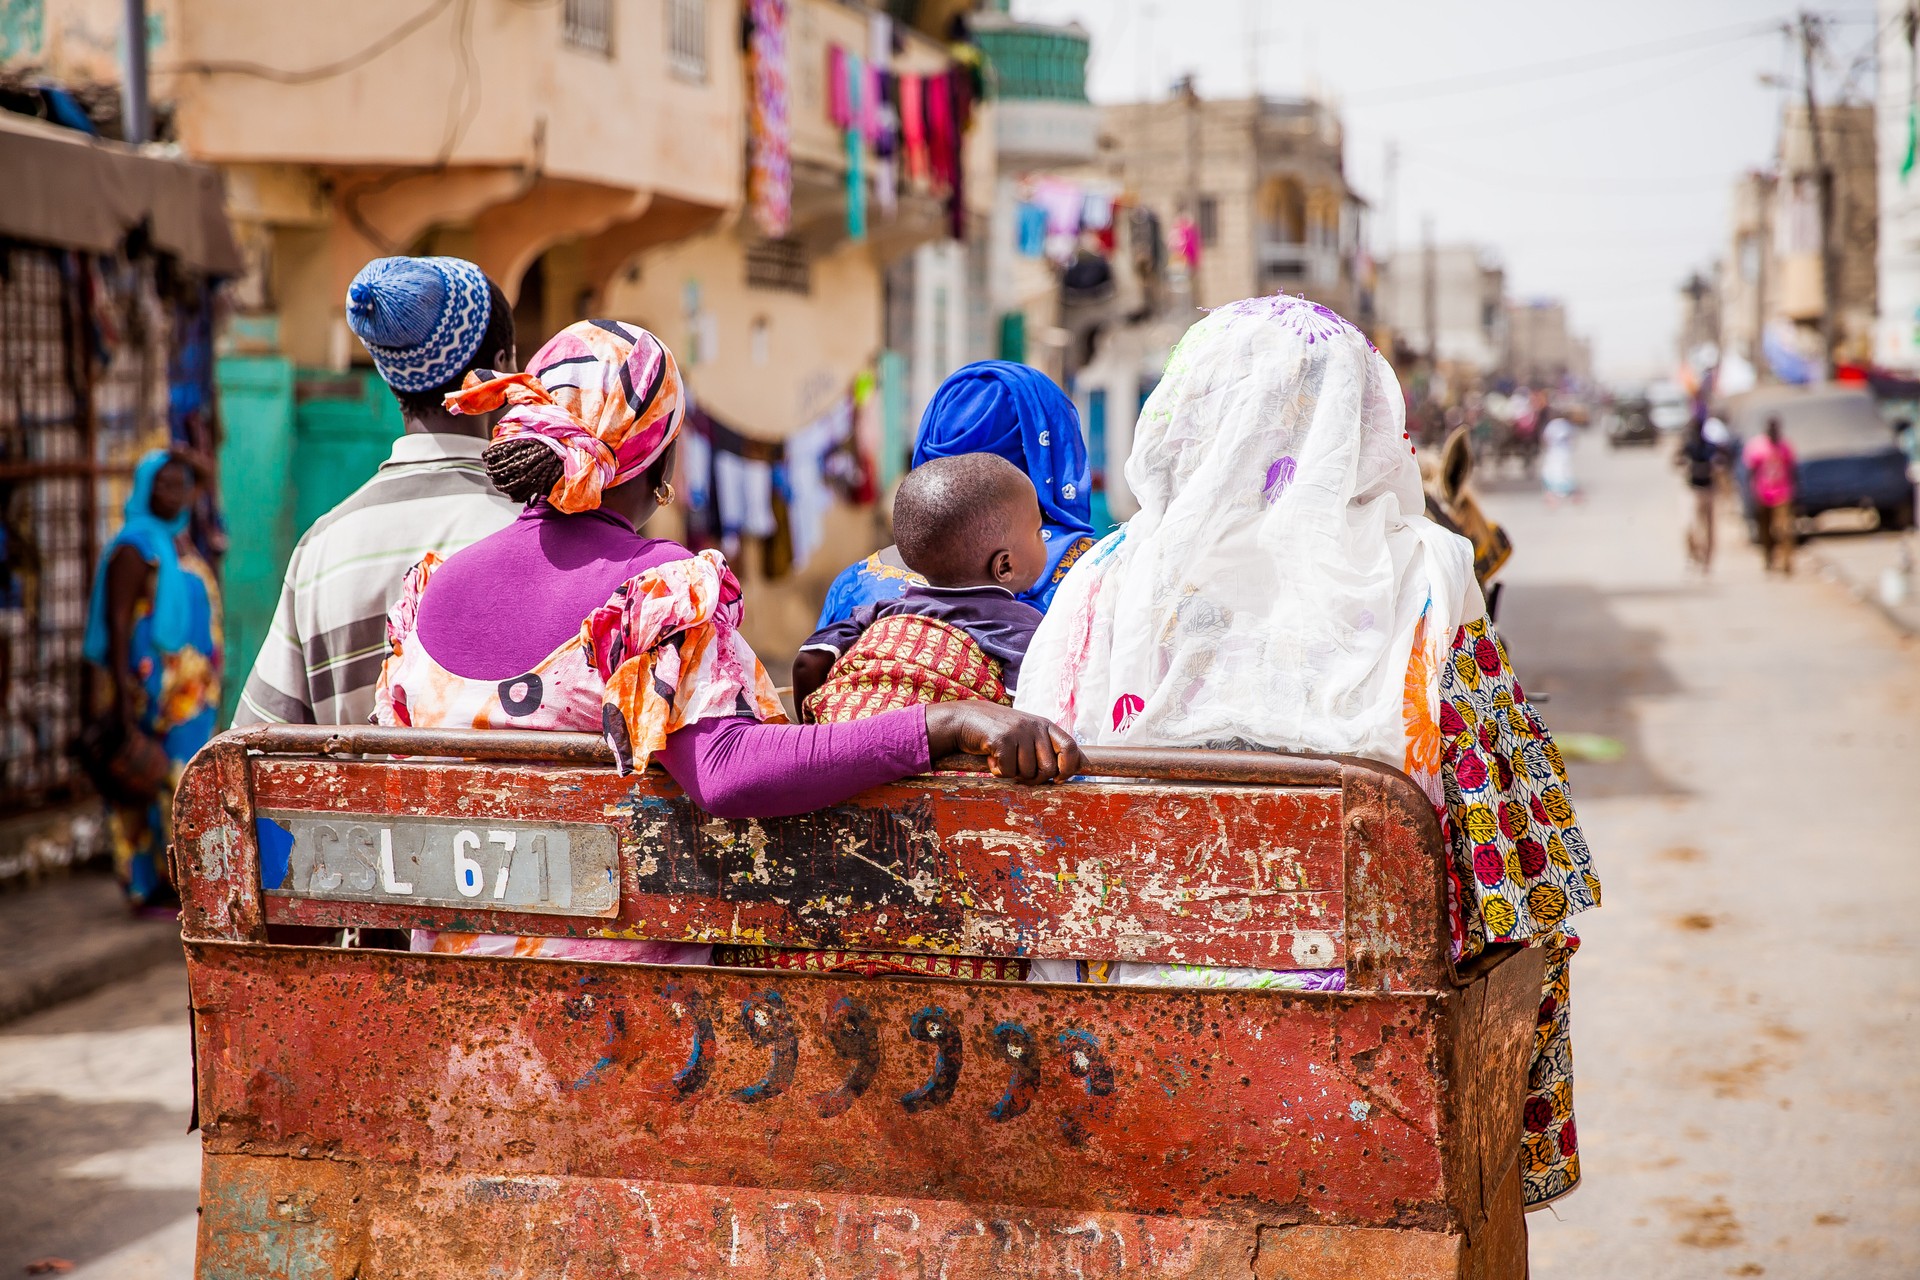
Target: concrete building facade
pixel 588 154
pixel 1541 347
pixel 1263 179
pixel 1446 303
pixel 1896 342
pixel 1746 271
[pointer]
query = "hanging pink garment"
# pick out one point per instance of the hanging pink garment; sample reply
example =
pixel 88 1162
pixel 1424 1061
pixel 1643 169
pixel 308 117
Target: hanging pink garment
pixel 913 126
pixel 940 131
pixel 837 111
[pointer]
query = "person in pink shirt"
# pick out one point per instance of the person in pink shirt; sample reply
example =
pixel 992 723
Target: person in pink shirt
pixel 1771 469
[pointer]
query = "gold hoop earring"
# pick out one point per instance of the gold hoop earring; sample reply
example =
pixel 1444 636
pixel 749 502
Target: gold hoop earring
pixel 663 493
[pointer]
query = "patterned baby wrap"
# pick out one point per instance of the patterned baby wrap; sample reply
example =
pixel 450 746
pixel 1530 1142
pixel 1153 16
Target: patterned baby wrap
pixel 904 661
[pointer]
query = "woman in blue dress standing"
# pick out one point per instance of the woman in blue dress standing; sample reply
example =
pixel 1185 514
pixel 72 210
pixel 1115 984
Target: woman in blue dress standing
pixel 1015 411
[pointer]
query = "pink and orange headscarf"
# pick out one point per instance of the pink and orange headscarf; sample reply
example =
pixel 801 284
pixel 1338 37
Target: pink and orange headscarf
pixel 604 395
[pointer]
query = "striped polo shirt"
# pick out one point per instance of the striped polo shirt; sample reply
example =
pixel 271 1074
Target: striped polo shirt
pixel 321 659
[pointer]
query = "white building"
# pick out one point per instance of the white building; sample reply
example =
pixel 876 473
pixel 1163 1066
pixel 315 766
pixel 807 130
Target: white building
pixel 1897 326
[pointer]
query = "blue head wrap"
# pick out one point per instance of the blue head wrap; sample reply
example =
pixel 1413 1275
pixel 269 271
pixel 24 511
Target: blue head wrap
pixel 1016 411
pixel 421 318
pixel 153 538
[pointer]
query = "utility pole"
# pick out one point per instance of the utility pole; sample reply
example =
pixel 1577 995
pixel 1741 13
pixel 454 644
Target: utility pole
pixel 1823 176
pixel 1390 213
pixel 135 114
pixel 1429 305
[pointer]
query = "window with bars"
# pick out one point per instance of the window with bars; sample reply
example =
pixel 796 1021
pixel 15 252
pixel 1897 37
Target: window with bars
pixel 687 39
pixel 1209 220
pixel 588 25
pixel 779 264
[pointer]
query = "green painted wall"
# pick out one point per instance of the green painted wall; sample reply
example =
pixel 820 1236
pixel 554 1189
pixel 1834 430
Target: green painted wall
pixel 296 443
pixel 345 425
pixel 256 460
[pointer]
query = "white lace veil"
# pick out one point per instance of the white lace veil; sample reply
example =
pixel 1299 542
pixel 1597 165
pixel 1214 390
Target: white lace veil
pixel 1269 590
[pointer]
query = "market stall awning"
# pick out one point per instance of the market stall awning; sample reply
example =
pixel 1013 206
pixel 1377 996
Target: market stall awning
pixel 64 188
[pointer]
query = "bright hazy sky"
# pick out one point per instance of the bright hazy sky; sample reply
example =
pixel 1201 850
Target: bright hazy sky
pixel 1604 182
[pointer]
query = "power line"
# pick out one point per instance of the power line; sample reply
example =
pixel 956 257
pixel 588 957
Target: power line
pixel 327 70
pixel 1561 66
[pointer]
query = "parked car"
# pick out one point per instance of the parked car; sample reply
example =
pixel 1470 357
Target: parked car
pixel 1849 458
pixel 1670 407
pixel 1630 421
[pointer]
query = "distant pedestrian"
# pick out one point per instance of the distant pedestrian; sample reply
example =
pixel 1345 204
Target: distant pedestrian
pixel 428 322
pixel 1772 472
pixel 1556 459
pixel 153 625
pixel 1699 459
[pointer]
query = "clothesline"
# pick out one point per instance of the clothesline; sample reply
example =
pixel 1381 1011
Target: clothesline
pixel 744 493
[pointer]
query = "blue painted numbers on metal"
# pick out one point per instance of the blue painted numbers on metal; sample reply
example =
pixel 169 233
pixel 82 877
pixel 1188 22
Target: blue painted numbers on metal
pixel 850 1032
pixel 1085 1061
pixel 1016 1045
pixel 932 1026
pixel 693 1077
pixel 769 1027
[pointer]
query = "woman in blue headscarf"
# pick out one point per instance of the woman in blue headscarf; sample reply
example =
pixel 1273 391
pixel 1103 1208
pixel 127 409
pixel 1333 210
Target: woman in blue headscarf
pixel 1016 412
pixel 153 625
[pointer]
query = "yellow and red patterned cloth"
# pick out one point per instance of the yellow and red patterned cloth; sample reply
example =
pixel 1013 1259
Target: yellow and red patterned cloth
pixel 873 964
pixel 907 660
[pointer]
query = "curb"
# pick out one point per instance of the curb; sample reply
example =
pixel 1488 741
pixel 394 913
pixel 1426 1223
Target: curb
pixel 1860 591
pixel 44 986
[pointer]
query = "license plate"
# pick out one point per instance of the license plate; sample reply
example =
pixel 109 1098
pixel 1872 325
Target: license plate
pixel 557 868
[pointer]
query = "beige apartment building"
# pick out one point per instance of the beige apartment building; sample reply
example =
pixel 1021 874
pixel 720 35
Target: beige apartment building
pixel 1446 303
pixel 590 155
pixel 1542 348
pixel 1263 179
pixel 1770 281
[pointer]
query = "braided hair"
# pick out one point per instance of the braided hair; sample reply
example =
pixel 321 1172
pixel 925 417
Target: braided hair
pixel 522 468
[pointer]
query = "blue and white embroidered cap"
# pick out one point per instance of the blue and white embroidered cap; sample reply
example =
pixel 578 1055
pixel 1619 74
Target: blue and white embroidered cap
pixel 421 318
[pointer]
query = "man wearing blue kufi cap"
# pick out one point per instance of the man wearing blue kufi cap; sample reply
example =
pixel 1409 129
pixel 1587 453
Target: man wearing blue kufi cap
pixel 427 322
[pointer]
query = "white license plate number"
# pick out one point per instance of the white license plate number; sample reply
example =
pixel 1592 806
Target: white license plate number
pixel 552 868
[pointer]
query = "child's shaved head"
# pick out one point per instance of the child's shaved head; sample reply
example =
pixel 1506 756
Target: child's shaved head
pixel 956 519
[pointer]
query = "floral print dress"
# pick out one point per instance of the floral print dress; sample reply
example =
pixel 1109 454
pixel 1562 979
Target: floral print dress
pixel 664 652
pixel 1520 868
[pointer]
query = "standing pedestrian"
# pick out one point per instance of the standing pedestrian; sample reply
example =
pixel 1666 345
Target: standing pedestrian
pixel 1772 472
pixel 428 322
pixel 1699 458
pixel 1556 464
pixel 153 625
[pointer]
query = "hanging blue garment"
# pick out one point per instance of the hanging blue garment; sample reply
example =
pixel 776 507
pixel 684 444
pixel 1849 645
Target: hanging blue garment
pixel 1030 230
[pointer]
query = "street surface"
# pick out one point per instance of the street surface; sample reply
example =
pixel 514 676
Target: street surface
pixel 94 1103
pixel 1744 1007
pixel 1745 1033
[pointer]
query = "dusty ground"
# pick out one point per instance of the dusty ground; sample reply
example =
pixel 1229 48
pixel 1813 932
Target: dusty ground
pixel 1744 1013
pixel 100 1168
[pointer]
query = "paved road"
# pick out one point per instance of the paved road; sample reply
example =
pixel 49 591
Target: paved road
pixel 99 1167
pixel 1744 1026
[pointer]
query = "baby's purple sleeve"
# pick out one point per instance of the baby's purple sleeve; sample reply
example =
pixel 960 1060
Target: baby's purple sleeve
pixel 735 767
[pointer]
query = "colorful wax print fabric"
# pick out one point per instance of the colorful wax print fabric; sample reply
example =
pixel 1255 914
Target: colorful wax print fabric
pixel 902 661
pixel 1520 868
pixel 770 126
pixel 662 653
pixel 604 395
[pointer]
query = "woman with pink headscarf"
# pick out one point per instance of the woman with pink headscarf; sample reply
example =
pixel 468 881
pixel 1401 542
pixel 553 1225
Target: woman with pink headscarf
pixel 571 618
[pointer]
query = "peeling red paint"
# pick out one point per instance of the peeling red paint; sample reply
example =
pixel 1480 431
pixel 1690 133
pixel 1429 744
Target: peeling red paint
pixel 391 1114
